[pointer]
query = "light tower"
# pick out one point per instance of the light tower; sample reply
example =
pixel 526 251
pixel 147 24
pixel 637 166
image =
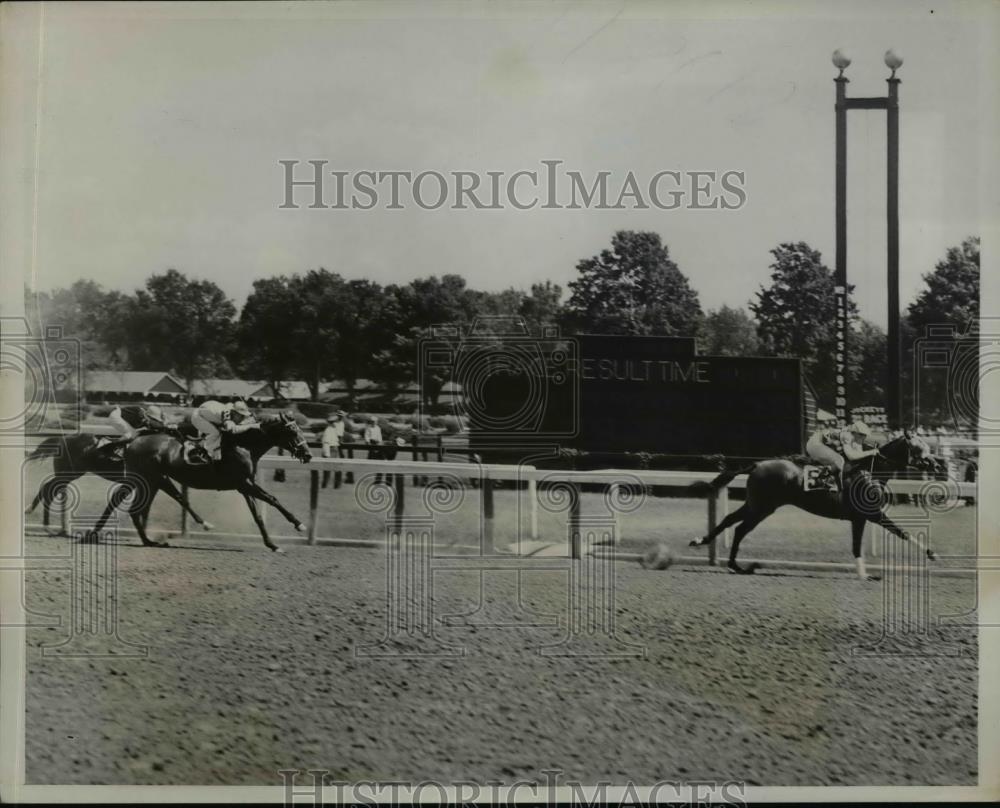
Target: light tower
pixel 890 103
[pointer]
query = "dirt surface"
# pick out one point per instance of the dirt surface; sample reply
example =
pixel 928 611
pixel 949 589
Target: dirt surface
pixel 252 666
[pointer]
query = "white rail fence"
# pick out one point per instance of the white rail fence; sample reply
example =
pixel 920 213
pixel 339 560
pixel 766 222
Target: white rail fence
pixel 567 486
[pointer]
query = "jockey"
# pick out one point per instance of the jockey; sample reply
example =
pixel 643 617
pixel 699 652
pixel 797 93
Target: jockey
pixel 832 447
pixel 213 418
pixel 128 420
pixel 134 420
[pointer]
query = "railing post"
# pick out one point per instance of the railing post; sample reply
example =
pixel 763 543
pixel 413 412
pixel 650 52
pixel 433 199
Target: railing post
pixel 713 520
pixel 727 534
pixel 349 475
pixel 313 504
pixel 575 537
pixel 533 506
pixel 184 513
pixel 64 511
pixel 486 546
pixel 872 540
pixel 614 494
pixel 399 483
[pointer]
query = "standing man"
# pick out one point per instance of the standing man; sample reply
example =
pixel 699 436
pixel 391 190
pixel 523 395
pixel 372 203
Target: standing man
pixel 332 437
pixel 373 437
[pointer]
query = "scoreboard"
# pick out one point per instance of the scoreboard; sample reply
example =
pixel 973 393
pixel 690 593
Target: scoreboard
pixel 616 394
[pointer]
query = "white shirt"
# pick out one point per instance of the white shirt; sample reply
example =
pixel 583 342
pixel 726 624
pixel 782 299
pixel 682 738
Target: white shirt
pixel 331 436
pixel 119 423
pixel 373 432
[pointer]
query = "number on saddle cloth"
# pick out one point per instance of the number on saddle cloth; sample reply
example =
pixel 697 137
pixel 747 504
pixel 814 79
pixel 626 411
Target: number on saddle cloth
pixel 818 478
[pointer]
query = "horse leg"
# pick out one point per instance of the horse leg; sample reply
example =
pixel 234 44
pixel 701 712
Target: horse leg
pixel 896 530
pixel 748 524
pixel 118 496
pixel 36 500
pixel 260 524
pixel 857 535
pixel 167 487
pixel 139 511
pixel 47 492
pixel 249 487
pixel 730 520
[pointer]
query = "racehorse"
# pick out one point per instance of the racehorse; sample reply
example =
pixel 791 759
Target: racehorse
pixel 780 481
pixel 152 461
pixel 76 455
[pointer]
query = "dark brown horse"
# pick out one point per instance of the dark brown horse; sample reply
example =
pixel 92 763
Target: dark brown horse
pixel 777 482
pixel 76 455
pixel 153 460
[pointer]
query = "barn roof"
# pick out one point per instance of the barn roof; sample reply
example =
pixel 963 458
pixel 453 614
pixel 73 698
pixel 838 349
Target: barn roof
pixel 294 390
pixel 231 388
pixel 131 381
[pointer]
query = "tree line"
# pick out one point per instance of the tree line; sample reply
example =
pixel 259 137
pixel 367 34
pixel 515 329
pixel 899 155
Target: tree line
pixel 318 325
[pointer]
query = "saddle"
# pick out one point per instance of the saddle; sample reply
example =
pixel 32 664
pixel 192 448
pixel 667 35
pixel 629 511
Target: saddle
pixel 195 453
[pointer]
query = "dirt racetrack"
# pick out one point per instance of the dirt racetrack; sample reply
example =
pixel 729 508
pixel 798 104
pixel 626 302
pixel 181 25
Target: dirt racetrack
pixel 252 668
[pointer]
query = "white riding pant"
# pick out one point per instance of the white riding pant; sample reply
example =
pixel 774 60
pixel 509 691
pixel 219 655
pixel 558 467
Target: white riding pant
pixel 124 427
pixel 213 439
pixel 822 453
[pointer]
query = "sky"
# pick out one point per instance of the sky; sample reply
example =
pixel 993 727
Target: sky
pixel 161 128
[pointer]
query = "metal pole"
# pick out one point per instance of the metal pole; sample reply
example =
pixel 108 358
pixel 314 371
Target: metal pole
pixel 895 403
pixel 840 275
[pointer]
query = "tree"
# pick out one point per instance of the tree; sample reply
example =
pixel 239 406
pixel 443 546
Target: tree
pixel 366 322
pixel 542 308
pixel 321 299
pixel 950 302
pixel 868 365
pixel 728 332
pixel 85 313
pixel 183 325
pixel 952 294
pixel 633 288
pixel 796 313
pixel 438 309
pixel 266 333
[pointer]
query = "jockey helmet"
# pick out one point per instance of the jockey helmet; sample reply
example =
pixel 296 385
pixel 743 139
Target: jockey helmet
pixel 860 428
pixel 242 408
pixel 153 411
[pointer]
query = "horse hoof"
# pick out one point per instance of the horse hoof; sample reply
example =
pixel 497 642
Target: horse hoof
pixel 277 549
pixel 207 526
pixel 301 528
pixel 931 555
pixel 694 543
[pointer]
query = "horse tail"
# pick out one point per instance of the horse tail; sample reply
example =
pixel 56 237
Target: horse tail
pixel 702 487
pixel 47 448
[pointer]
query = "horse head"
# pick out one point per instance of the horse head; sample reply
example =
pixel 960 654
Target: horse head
pixel 908 451
pixel 285 433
